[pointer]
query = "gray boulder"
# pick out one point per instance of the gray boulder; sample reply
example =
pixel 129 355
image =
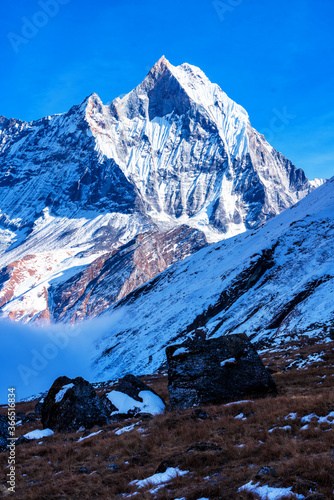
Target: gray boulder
pixel 71 404
pixel 203 372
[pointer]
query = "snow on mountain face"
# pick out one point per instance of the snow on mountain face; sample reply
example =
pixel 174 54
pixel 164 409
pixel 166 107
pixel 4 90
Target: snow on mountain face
pixel 193 154
pixel 175 151
pixel 275 283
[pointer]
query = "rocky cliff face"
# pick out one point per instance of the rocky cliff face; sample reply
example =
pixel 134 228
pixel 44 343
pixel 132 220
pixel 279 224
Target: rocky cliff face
pixel 115 274
pixel 76 187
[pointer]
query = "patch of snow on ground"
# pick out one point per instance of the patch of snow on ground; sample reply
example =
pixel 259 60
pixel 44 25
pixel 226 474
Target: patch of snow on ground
pixel 38 434
pixel 308 418
pixel 59 396
pixel 239 402
pixel 181 350
pixel 304 363
pixel 160 477
pixel 268 492
pixel 285 428
pixel 152 403
pixel 226 361
pixel 291 416
pixel 125 429
pixel 153 491
pixel 329 419
pixel 330 416
pixel 89 436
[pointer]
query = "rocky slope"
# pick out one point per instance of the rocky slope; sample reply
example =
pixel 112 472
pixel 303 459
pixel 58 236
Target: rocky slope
pixel 76 187
pixel 273 446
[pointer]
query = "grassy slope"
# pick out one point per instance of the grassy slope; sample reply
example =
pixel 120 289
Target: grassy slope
pixel 50 470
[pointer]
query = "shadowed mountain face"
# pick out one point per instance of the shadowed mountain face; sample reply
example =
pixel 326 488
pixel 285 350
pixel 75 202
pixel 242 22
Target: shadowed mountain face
pixel 76 187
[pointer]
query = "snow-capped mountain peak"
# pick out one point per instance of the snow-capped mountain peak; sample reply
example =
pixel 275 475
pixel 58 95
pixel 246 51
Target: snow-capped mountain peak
pixel 177 90
pixel 160 66
pixel 174 152
pixel 193 154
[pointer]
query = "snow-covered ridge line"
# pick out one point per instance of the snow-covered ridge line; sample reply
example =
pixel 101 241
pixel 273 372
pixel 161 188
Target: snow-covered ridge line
pixel 274 284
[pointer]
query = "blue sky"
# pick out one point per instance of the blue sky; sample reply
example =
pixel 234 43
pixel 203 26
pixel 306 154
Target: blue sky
pixel 274 58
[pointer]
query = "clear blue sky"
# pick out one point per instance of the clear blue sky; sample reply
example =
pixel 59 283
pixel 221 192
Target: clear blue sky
pixel 272 57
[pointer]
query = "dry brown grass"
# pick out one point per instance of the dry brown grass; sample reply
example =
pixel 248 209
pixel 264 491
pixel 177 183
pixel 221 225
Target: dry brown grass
pixel 50 470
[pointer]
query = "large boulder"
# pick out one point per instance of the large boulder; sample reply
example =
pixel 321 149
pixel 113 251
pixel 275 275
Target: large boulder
pixel 132 397
pixel 72 404
pixel 203 372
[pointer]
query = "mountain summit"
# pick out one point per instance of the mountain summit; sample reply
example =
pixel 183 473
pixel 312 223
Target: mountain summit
pixel 193 155
pixel 86 194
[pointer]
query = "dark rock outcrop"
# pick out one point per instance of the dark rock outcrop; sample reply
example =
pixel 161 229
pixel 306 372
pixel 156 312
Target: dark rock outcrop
pixel 31 417
pixel 201 450
pixel 200 414
pixel 307 488
pixel 266 471
pixel 4 435
pixel 107 404
pixel 71 404
pixel 215 371
pixel 38 407
pixel 204 446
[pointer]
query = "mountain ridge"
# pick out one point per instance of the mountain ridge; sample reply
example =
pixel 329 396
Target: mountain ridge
pixel 274 284
pixel 174 152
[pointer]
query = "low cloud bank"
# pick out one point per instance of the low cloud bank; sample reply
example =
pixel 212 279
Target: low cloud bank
pixel 32 357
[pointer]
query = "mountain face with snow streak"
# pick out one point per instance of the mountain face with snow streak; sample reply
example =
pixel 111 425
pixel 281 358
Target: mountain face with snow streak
pixel 76 187
pixel 274 284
